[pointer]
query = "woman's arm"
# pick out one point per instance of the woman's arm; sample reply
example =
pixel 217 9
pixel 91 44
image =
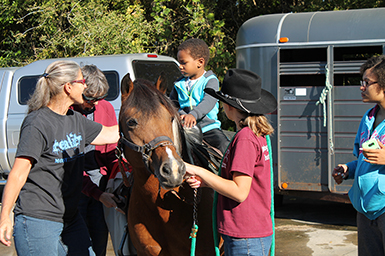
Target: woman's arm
pixel 236 189
pixel 108 135
pixel 16 180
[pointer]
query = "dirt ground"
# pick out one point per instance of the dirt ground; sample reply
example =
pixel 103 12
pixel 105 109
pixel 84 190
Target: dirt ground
pixel 303 227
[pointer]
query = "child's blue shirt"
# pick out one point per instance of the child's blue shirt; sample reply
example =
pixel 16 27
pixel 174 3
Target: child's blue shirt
pixel 196 102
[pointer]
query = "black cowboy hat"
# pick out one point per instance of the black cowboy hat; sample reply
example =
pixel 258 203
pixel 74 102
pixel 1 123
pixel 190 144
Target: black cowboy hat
pixel 242 90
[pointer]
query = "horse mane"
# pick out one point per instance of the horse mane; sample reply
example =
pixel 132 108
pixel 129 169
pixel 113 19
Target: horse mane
pixel 148 100
pixel 144 92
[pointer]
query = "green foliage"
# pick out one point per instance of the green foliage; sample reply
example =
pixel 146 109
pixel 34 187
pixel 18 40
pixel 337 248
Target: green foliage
pixel 32 30
pixel 57 28
pixel 94 30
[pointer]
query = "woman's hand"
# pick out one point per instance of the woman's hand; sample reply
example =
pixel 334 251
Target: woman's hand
pixel 191 176
pixel 340 172
pixel 15 182
pixel 5 231
pixel 375 156
pixel 110 200
pixel 194 181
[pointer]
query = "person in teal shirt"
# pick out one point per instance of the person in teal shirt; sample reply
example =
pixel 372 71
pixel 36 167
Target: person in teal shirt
pixel 195 106
pixel 368 191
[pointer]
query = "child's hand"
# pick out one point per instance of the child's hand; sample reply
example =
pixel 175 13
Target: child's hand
pixel 189 120
pixel 194 182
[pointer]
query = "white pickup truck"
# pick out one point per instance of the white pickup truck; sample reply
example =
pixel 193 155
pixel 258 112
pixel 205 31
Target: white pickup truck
pixel 18 83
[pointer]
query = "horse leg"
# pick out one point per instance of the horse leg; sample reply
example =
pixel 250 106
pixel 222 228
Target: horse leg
pixel 144 242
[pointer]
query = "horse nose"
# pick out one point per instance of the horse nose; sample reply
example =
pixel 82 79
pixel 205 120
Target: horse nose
pixel 172 172
pixel 173 168
pixel 166 170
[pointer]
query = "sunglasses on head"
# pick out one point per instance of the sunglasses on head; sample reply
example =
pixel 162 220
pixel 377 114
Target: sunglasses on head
pixel 93 99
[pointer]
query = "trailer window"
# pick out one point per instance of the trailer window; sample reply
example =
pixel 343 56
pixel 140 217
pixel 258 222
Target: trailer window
pixel 348 61
pixel 347 79
pixel 302 80
pixel 302 67
pixel 27 85
pixel 356 53
pixel 303 55
pixel 151 70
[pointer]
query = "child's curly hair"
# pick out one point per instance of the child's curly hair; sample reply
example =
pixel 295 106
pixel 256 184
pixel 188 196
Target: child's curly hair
pixel 197 48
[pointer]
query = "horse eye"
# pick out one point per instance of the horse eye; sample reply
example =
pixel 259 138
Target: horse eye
pixel 132 123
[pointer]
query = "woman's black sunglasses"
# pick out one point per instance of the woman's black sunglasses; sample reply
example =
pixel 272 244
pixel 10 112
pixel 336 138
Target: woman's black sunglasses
pixel 92 99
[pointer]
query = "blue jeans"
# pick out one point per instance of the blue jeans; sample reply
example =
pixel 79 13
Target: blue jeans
pixel 92 213
pixel 259 246
pixel 36 237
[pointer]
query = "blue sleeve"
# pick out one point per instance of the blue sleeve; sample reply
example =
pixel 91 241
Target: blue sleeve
pixel 352 168
pixel 356 148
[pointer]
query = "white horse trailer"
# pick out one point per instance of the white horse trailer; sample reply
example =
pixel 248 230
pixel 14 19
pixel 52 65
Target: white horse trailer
pixel 310 62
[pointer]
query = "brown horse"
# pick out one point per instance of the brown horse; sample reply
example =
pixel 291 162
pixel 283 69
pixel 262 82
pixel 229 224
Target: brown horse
pixel 160 214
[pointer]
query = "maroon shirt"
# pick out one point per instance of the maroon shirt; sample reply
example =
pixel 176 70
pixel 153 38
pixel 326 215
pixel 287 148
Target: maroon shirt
pixel 104 154
pixel 247 154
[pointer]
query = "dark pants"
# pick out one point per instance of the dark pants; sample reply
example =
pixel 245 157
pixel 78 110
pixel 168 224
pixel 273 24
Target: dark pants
pixel 217 139
pixel 371 235
pixel 76 238
pixel 92 213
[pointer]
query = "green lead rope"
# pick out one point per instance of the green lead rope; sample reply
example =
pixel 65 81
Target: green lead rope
pixel 215 230
pixel 193 237
pixel 272 248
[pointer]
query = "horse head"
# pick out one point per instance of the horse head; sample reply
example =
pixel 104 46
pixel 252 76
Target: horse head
pixel 149 126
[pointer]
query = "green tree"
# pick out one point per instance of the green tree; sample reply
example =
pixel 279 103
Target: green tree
pixel 16 22
pixel 32 30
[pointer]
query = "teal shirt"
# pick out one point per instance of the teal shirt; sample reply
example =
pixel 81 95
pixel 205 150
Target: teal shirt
pixel 202 106
pixel 368 191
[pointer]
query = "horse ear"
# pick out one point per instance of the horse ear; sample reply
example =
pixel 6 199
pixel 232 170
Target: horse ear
pixel 161 83
pixel 126 85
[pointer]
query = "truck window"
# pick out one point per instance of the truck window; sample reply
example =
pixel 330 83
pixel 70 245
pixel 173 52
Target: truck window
pixel 27 85
pixel 151 70
pixel 114 84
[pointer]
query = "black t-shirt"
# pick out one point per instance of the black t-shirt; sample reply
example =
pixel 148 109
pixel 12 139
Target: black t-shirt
pixel 57 144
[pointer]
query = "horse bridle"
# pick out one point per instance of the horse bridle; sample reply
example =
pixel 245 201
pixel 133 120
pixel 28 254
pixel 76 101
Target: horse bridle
pixel 147 149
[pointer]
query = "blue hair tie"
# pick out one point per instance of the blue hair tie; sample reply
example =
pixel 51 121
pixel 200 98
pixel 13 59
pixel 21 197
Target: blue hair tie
pixel 45 75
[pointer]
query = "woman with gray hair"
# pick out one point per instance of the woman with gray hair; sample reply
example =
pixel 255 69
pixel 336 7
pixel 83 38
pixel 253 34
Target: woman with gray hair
pixel 46 178
pixel 100 161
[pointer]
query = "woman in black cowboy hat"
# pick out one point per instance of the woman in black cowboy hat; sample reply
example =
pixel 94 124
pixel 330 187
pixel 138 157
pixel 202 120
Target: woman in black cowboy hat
pixel 244 189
